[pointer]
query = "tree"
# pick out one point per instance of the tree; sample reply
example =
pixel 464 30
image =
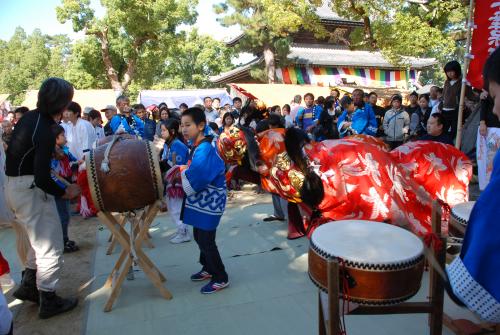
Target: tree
pixel 129 31
pixel 25 61
pixel 419 28
pixel 267 26
pixel 193 61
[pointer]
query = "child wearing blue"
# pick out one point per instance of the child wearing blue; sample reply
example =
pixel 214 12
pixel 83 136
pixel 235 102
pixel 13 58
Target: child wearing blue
pixel 357 118
pixel 203 181
pixel 62 168
pixel 175 153
pixel 308 117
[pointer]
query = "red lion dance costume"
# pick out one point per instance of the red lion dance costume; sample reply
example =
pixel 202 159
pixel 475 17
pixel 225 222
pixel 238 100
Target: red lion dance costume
pixel 356 177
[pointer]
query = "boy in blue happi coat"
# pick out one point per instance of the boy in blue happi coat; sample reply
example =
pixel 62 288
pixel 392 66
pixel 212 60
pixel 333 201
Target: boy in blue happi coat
pixel 203 181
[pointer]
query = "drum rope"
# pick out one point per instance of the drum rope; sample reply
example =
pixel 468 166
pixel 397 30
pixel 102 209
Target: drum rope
pixel 105 161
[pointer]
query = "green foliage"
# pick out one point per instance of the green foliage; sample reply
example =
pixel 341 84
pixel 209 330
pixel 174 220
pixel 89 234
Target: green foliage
pixel 130 32
pixel 268 24
pixel 401 28
pixel 25 61
pixel 193 60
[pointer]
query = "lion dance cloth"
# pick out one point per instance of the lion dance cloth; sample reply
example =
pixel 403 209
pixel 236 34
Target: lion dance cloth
pixel 361 179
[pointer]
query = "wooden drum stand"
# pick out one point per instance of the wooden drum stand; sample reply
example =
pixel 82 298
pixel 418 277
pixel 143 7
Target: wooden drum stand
pixel 433 307
pixel 132 252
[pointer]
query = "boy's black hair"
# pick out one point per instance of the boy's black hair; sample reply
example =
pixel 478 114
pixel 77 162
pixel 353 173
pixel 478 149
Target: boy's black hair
pixel 262 125
pixel 439 118
pixel 275 120
pixel 93 114
pixel 453 66
pixel 75 108
pixel 425 96
pixel 205 98
pixel 138 106
pixel 237 99
pixel 373 93
pixel 56 130
pixel 309 94
pixel 345 101
pixel 21 110
pixel 414 93
pixel 491 70
pixel 183 105
pixel 215 99
pixel 214 126
pixel 196 114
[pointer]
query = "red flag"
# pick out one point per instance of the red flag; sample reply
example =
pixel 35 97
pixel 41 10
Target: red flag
pixel 485 38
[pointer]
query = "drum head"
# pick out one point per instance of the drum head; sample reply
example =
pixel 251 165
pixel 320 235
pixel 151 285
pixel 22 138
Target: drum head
pixel 367 242
pixel 462 211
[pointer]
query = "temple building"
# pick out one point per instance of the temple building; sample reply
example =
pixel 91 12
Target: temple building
pixel 324 62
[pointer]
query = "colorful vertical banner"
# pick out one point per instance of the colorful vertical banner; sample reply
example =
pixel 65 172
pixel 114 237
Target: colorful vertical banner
pixel 485 38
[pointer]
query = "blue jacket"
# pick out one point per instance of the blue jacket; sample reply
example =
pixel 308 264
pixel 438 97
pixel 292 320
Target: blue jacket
pixel 307 117
pixel 149 129
pixel 120 122
pixel 363 122
pixel 204 183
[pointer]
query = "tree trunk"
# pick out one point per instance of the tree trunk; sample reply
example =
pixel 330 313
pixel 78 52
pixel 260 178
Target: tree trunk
pixel 270 64
pixel 366 22
pixel 111 73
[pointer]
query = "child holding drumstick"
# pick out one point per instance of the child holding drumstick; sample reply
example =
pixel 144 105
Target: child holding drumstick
pixel 203 181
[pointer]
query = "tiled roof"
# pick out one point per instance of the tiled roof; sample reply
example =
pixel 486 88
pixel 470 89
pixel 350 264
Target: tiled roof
pixel 332 56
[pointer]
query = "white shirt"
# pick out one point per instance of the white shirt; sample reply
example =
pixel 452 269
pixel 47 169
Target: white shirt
pixel 80 136
pixel 99 133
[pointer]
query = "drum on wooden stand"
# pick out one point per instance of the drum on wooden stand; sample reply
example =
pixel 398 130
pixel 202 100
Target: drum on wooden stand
pixel 459 218
pixel 381 264
pixel 124 174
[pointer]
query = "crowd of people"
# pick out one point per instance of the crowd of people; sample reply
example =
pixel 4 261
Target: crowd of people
pixel 46 148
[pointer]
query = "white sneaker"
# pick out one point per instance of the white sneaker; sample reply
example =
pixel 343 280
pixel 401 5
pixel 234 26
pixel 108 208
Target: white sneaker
pixel 181 237
pixel 6 282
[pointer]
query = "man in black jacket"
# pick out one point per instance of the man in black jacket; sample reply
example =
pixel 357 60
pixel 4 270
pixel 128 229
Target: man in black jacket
pixel 30 192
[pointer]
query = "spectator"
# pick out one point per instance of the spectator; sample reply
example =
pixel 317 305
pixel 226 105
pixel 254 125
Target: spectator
pixel 95 120
pixel 435 130
pixel 80 134
pixel 19 112
pixel 11 117
pixel 109 112
pixel 326 129
pixel 285 112
pixel 366 98
pixel 182 108
pixel 216 104
pixel 85 114
pixel 228 121
pixel 451 96
pixel 418 120
pixel 358 117
pixel 247 118
pixel 6 133
pixel 396 123
pixel 320 101
pixel 126 122
pixel 295 106
pixel 164 116
pixel 488 118
pixel 378 111
pixel 434 96
pixel 237 104
pixel 413 106
pixel 210 113
pixel 276 109
pixel 307 117
pixel 149 125
pixel 215 128
pixel 275 121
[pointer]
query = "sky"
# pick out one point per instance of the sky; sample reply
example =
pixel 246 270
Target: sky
pixel 32 14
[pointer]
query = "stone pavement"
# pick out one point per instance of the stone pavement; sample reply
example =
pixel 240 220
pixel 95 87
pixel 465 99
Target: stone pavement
pixel 270 291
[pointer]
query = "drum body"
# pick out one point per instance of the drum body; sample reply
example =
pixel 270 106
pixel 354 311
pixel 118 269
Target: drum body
pixel 381 264
pixel 459 218
pixel 133 180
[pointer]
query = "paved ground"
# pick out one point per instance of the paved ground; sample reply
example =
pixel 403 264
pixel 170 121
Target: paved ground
pixel 270 291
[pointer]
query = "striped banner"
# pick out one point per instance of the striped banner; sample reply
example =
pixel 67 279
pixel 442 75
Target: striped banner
pixel 332 76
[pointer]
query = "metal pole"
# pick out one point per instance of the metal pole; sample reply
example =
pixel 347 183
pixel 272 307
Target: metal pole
pixel 470 24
